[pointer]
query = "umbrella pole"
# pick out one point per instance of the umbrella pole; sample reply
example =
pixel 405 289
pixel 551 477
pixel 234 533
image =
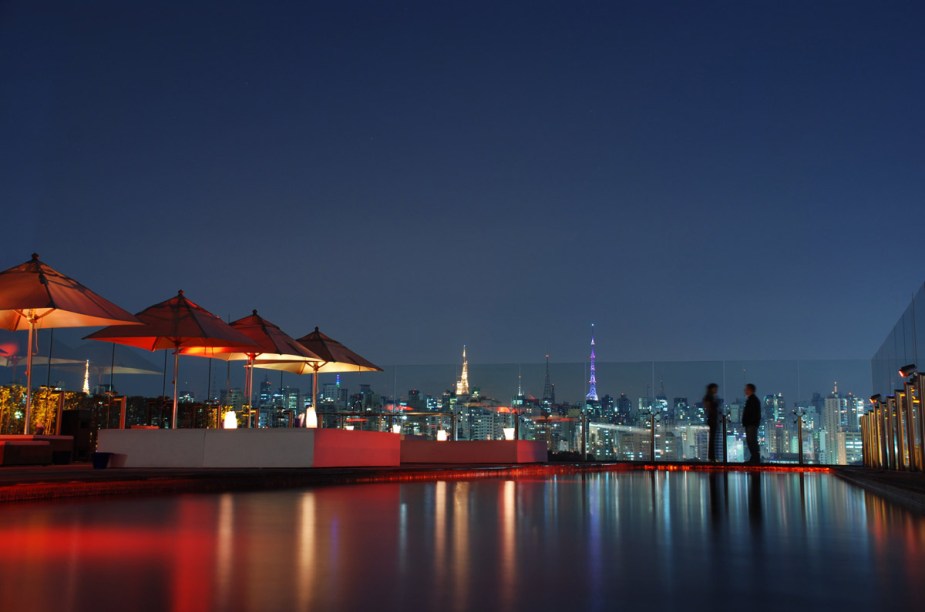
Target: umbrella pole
pixel 29 376
pixel 249 390
pixel 176 374
pixel 314 407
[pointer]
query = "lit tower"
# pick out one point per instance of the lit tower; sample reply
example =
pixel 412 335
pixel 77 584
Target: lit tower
pixel 462 385
pixel 86 388
pixel 592 382
pixel 549 390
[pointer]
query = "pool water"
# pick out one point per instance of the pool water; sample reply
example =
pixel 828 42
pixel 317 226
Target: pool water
pixel 596 541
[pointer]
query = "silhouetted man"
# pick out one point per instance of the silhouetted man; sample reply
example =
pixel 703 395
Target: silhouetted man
pixel 711 408
pixel 751 419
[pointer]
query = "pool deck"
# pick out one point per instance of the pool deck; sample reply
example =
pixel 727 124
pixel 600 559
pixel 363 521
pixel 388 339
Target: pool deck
pixel 19 484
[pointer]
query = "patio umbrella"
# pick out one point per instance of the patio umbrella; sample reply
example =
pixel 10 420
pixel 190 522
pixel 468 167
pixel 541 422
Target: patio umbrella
pixel 335 358
pixel 270 343
pixel 175 324
pixel 34 295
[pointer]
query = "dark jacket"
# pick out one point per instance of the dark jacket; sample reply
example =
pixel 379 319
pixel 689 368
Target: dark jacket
pixel 711 405
pixel 751 416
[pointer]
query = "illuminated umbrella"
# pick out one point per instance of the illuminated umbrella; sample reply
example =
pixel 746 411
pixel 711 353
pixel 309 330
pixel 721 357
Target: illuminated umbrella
pixel 335 358
pixel 270 343
pixel 34 295
pixel 175 324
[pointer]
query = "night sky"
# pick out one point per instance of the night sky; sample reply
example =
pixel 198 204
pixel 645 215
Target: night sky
pixel 732 180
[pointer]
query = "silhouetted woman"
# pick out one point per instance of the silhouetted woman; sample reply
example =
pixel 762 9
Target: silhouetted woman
pixel 711 408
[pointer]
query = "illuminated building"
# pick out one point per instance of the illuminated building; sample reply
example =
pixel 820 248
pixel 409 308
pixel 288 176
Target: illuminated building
pixel 592 381
pixel 86 387
pixel 265 399
pixel 462 385
pixel 233 397
pixel 831 424
pixel 549 390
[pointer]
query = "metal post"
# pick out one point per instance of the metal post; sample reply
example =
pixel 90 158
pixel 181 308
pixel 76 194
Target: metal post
pixel 176 374
pixel 652 435
pixel 910 425
pixel 864 444
pixel 891 432
pixel 122 409
pixel 26 426
pixel 900 430
pixel 920 400
pixel 885 432
pixel 58 415
pixel 881 435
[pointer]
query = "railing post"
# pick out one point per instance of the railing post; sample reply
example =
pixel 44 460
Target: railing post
pixel 900 429
pixel 884 410
pixel 920 400
pixel 652 435
pixel 909 426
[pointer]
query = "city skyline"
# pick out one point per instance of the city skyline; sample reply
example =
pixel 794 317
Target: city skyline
pixel 796 379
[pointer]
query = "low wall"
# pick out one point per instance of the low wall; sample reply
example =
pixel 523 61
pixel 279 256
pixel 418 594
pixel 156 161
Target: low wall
pixel 249 448
pixel 62 447
pixel 415 450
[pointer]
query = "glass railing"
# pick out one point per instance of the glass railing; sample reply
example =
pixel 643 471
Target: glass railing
pixel 811 409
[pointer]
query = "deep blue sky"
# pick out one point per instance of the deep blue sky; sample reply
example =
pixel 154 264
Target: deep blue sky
pixel 732 180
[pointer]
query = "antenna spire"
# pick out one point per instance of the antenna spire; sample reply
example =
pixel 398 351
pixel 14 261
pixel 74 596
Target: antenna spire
pixel 592 382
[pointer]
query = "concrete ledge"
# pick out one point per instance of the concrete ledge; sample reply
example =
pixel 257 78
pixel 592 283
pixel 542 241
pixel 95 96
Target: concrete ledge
pixel 62 447
pixel 249 448
pixel 414 450
pixel 25 452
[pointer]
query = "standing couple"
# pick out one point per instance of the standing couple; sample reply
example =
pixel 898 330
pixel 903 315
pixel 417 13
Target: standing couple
pixel 751 420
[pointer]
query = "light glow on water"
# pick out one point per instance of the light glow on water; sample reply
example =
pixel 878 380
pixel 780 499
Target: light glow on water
pixel 654 539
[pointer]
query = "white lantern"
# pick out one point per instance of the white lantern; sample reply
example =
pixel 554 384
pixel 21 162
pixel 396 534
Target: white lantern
pixel 508 433
pixel 311 418
pixel 441 435
pixel 230 420
pixel 396 428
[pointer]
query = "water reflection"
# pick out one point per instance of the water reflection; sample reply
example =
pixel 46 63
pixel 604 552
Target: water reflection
pixel 659 540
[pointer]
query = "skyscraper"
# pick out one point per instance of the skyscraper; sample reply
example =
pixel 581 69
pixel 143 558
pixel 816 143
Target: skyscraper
pixel 462 385
pixel 86 387
pixel 549 389
pixel 592 382
pixel 834 435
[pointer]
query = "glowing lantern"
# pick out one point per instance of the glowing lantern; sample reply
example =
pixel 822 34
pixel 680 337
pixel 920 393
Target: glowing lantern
pixel 508 433
pixel 230 420
pixel 441 435
pixel 348 427
pixel 396 428
pixel 311 418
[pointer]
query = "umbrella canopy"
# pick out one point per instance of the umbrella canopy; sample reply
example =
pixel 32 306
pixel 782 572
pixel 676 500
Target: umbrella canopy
pixel 12 361
pixel 335 358
pixel 175 324
pixel 33 295
pixel 106 360
pixel 270 343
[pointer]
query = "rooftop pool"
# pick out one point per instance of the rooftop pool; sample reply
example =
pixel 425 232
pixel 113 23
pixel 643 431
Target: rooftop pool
pixel 585 541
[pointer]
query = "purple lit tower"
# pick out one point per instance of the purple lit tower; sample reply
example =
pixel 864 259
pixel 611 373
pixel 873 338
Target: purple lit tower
pixel 592 382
